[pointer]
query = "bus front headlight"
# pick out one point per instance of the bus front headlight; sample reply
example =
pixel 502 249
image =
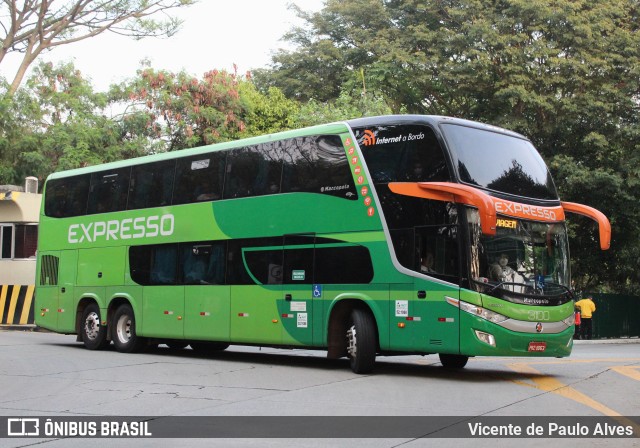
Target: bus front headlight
pixel 570 321
pixel 484 313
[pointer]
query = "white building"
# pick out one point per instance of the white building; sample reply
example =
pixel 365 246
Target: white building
pixel 19 216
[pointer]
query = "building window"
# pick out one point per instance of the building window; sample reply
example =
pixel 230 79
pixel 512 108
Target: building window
pixel 6 241
pixel 26 240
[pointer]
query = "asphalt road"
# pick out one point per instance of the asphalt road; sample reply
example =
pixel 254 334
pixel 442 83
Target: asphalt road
pixel 50 375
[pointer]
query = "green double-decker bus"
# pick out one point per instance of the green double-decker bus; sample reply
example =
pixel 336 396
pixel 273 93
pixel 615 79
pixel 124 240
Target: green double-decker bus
pixel 376 236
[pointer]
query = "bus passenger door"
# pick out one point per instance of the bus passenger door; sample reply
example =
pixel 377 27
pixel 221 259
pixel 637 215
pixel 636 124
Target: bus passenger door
pixel 207 299
pixel 433 312
pixel 67 300
pixel 296 304
pixel 439 321
pixel 255 273
pixel 163 297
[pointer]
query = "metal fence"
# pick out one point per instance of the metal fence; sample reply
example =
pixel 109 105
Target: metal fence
pixel 616 316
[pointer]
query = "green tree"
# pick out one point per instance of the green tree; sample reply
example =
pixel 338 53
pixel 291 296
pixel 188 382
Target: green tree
pixel 346 106
pixel 176 111
pixel 31 27
pixel 566 73
pixel 265 113
pixel 56 122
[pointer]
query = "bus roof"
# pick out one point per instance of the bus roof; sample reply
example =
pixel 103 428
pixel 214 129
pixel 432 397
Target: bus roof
pixel 433 120
pixel 330 128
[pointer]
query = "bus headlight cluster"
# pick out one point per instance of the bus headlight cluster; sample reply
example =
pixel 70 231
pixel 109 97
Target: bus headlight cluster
pixel 484 313
pixel 570 321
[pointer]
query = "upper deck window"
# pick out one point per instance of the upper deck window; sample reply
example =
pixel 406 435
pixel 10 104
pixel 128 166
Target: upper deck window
pixel 499 162
pixel 316 165
pixel 402 153
pixel 313 164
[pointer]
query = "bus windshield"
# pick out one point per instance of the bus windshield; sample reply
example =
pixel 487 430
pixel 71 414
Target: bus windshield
pixel 523 257
pixel 499 162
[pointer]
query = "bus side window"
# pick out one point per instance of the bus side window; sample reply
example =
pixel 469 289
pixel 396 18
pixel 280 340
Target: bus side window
pixel 67 197
pixel 255 261
pixel 164 264
pixel 151 185
pixel 203 263
pixel 253 171
pixel 109 191
pixel 317 165
pixel 199 178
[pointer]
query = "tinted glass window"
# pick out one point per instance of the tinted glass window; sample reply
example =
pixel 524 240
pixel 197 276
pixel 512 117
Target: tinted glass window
pixel 252 261
pixel 26 241
pixel 67 197
pixel 298 259
pixel 423 233
pixel 343 264
pixel 264 264
pixel 6 238
pixel 199 178
pixel 154 265
pixel 151 184
pixel 403 153
pixel 499 162
pixel 253 171
pixel 203 263
pixel 316 165
pixel 108 191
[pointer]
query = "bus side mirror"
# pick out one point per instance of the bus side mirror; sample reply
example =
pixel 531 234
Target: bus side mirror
pixel 604 226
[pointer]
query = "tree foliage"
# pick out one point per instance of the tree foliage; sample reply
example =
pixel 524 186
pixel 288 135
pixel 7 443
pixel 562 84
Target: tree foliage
pixel 31 27
pixel 55 123
pixel 566 73
pixel 177 110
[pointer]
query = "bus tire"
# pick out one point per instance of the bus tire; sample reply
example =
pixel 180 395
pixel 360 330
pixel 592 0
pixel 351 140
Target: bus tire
pixel 453 361
pixel 94 335
pixel 361 341
pixel 123 332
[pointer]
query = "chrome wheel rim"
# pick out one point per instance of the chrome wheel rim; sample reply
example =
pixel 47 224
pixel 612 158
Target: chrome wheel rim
pixel 351 342
pixel 92 326
pixel 123 329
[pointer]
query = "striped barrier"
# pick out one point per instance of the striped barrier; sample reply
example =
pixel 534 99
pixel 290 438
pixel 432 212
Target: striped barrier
pixel 16 304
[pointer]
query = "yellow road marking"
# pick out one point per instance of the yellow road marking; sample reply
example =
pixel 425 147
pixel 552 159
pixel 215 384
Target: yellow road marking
pixel 550 384
pixel 632 372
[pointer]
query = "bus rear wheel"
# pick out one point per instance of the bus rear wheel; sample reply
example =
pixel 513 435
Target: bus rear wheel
pixel 94 335
pixel 453 361
pixel 123 333
pixel 361 341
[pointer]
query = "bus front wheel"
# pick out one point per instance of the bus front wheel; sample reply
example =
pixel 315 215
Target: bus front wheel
pixel 453 361
pixel 123 333
pixel 361 341
pixel 94 335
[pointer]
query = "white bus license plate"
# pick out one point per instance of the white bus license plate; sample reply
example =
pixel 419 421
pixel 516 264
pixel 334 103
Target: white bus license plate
pixel 537 346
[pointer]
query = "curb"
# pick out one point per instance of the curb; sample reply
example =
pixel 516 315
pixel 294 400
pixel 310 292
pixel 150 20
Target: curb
pixel 632 340
pixel 27 327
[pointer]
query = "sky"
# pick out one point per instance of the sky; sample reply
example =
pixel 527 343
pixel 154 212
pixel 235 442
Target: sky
pixel 215 34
